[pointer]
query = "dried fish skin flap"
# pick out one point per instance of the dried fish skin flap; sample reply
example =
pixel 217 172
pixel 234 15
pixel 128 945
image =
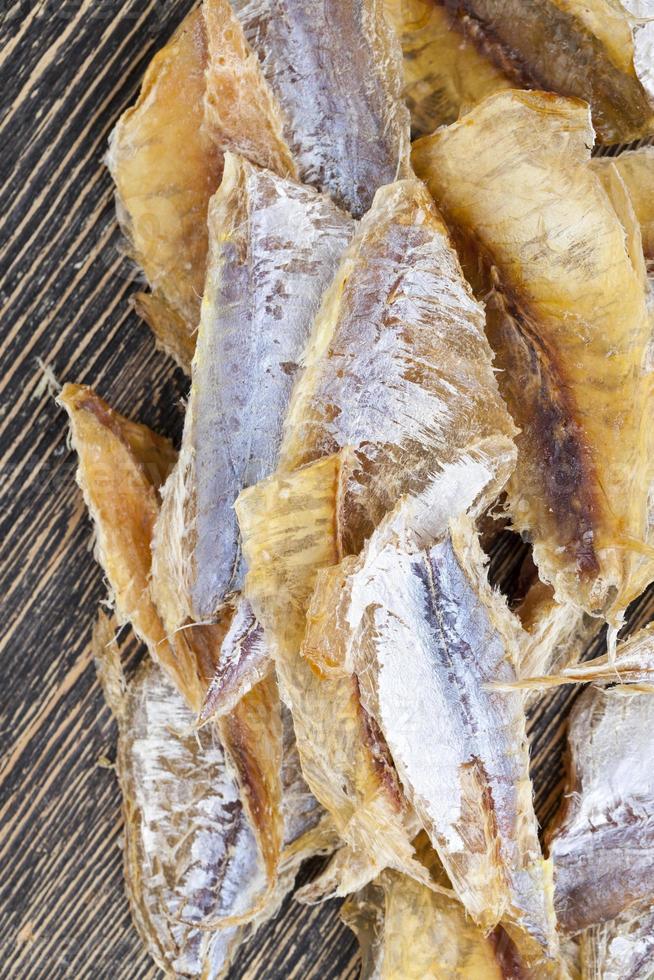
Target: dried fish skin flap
pixel 569 322
pixel 274 246
pixel 444 73
pixel 398 368
pixel 121 465
pixel 336 71
pixel 426 636
pixel 596 50
pixel 176 782
pixel 622 949
pixel 288 526
pixel 165 169
pixel 245 659
pixel 602 843
pixel 636 168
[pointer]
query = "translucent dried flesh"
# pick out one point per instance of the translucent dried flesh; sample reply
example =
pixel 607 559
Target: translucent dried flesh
pixel 398 369
pixel 190 854
pixel 568 318
pixel 426 635
pixel 166 156
pixel 274 246
pixel 288 528
pixel 444 73
pixel 344 118
pixel 165 169
pixel 622 949
pixel 636 168
pixel 602 843
pixel 589 49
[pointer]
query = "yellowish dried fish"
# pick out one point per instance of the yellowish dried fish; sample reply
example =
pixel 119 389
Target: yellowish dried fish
pixel 622 949
pixel 568 318
pixel 444 72
pixel 190 855
pixel 203 93
pixel 602 842
pixel 274 246
pixel 636 168
pixel 335 69
pixel 596 50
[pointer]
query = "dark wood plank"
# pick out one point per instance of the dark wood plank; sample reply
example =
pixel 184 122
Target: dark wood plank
pixel 67 71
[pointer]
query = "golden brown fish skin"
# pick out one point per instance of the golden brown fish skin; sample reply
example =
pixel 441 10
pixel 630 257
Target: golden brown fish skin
pixel 274 246
pixel 398 372
pixel 443 71
pixel 161 204
pixel 602 841
pixel 581 486
pixel 556 46
pixel 622 949
pixel 345 120
pixel 636 168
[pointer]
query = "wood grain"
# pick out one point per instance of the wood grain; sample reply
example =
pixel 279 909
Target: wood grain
pixel 68 69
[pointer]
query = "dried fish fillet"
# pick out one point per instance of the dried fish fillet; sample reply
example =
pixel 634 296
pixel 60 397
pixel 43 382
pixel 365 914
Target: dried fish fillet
pixel 121 466
pixel 288 528
pixel 165 168
pixel 336 71
pixel 622 949
pixel 444 73
pixel 274 246
pixel 596 50
pixel 203 93
pixel 567 316
pixel 190 854
pixel 398 373
pixel 426 635
pixel 602 843
pixel 636 168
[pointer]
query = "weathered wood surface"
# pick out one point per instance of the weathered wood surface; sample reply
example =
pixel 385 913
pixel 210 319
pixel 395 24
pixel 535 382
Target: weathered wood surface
pixel 68 69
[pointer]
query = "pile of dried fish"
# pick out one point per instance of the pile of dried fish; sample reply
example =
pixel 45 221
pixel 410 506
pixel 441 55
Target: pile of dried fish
pixel 391 347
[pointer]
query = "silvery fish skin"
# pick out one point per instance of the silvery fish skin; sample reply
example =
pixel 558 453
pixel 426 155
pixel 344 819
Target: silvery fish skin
pixel 602 842
pixel 336 71
pixel 245 659
pixel 426 636
pixel 398 372
pixel 622 949
pixel 190 854
pixel 557 252
pixel 274 246
pixel 596 50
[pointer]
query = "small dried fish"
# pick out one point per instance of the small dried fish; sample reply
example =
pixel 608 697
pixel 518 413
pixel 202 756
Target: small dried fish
pixel 602 842
pixel 190 854
pixel 444 72
pixel 636 168
pixel 622 949
pixel 398 372
pixel 568 318
pixel 341 99
pixel 203 93
pixel 596 50
pixel 274 246
pixel 425 635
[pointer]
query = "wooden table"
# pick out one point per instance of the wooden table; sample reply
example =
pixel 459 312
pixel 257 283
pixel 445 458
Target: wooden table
pixel 68 70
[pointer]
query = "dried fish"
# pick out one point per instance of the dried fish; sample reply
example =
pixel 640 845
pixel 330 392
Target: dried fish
pixel 341 99
pixel 425 635
pixel 636 168
pixel 190 854
pixel 274 246
pixel 567 316
pixel 596 50
pixel 245 659
pixel 398 370
pixel 602 842
pixel 444 72
pixel 622 949
pixel 203 93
